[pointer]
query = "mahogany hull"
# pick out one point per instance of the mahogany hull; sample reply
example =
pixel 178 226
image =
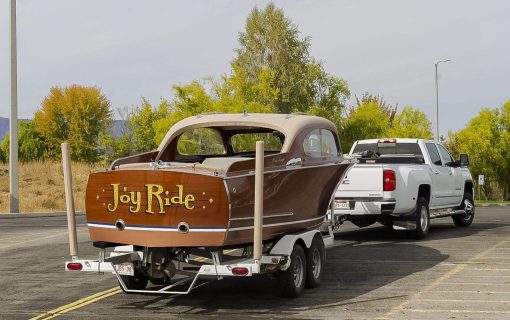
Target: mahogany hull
pixel 145 207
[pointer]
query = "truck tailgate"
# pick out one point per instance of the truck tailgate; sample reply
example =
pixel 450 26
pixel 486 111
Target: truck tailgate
pixel 362 181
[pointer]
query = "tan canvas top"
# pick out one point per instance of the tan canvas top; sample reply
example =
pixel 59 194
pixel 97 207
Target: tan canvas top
pixel 288 124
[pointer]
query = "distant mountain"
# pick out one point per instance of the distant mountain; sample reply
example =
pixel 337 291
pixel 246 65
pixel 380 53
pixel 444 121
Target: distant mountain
pixel 4 126
pixel 118 128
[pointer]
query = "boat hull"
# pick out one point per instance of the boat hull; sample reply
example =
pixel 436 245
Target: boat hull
pixel 146 207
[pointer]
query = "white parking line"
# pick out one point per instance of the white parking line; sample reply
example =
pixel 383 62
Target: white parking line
pixel 446 276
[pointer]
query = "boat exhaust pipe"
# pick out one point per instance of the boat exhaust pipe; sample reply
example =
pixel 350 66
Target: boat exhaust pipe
pixel 259 198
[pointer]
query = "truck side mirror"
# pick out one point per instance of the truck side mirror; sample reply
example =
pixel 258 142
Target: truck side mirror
pixel 464 160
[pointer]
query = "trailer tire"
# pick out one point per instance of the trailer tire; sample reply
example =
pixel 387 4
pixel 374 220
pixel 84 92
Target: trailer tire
pixel 315 259
pixel 468 205
pixel 137 282
pixel 422 216
pixel 292 281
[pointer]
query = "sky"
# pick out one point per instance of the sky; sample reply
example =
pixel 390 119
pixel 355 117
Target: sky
pixel 134 49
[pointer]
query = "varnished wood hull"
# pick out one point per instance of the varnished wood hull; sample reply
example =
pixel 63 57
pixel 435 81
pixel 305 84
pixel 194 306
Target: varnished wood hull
pixel 149 205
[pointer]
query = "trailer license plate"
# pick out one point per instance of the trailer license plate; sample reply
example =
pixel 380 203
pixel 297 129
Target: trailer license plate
pixel 342 204
pixel 125 269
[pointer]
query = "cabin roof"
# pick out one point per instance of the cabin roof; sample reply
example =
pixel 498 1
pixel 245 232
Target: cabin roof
pixel 288 124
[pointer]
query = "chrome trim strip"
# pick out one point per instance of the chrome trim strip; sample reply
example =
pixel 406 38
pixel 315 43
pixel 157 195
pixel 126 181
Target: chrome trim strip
pixel 229 208
pixel 161 229
pixel 277 224
pixel 278 215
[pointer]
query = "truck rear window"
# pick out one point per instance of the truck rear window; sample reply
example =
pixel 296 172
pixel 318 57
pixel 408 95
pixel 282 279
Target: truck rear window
pixel 389 148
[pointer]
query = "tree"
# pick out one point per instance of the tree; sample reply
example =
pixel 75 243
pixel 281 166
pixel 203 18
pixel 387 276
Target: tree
pixel 272 42
pixel 76 114
pixel 480 139
pixel 229 95
pixel 365 121
pixel 31 145
pixel 4 145
pixel 410 123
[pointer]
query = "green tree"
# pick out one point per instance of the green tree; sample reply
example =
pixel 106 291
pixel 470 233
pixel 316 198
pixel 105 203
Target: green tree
pixel 503 169
pixel 365 121
pixel 76 114
pixel 410 123
pixel 31 145
pixel 4 149
pixel 480 139
pixel 139 134
pixel 271 41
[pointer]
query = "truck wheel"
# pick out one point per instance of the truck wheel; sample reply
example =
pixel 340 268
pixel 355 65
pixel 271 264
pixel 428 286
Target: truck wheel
pixel 315 258
pixel 137 282
pixel 292 281
pixel 422 219
pixel 468 205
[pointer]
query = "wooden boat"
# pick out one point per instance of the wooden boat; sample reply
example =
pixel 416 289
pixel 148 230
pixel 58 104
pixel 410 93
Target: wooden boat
pixel 197 188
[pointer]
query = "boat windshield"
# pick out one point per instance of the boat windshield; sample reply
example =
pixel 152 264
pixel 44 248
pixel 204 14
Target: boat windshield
pixel 201 141
pixel 245 142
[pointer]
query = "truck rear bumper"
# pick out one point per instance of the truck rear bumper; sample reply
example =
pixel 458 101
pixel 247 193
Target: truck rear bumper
pixel 359 207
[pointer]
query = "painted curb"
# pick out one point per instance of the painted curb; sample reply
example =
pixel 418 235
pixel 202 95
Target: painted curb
pixel 493 205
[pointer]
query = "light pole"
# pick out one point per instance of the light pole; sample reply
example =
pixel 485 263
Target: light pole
pixel 437 100
pixel 13 120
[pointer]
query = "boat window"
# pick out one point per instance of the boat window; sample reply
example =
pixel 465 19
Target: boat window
pixel 200 141
pixel 245 142
pixel 320 143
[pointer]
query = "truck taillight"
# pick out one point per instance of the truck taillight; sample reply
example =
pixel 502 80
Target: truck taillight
pixel 389 180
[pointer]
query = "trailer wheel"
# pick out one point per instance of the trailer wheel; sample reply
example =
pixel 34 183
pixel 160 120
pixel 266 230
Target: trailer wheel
pixel 315 258
pixel 468 205
pixel 422 219
pixel 292 281
pixel 137 282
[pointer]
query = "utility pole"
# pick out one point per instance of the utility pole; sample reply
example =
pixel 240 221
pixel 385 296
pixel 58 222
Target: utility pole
pixel 437 101
pixel 13 120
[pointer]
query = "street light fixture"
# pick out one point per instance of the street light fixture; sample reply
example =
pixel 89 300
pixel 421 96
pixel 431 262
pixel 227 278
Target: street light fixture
pixel 437 100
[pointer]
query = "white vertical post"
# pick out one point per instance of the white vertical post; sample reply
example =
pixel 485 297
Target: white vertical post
pixel 13 120
pixel 68 185
pixel 259 199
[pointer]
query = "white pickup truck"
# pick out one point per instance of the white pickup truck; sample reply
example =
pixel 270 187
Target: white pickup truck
pixel 403 183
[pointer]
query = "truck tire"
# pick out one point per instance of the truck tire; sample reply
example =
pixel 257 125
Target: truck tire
pixel 137 282
pixel 315 258
pixel 422 216
pixel 292 281
pixel 468 205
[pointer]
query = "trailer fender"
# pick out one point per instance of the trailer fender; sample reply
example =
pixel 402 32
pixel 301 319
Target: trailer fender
pixel 285 245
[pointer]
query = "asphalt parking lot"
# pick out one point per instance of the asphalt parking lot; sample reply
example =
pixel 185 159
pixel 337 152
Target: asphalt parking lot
pixel 371 273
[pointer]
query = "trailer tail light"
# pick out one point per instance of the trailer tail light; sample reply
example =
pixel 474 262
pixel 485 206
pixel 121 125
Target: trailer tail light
pixel 74 266
pixel 240 271
pixel 389 180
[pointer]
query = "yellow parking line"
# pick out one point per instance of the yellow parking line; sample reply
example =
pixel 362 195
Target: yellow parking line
pixel 77 304
pixel 203 259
